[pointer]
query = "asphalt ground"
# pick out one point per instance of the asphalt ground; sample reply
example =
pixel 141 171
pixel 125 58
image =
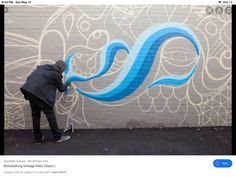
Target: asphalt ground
pixel 158 141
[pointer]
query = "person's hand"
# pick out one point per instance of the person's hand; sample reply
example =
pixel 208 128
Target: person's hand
pixel 68 85
pixel 67 88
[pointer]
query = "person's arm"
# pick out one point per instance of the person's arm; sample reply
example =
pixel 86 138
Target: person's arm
pixel 58 82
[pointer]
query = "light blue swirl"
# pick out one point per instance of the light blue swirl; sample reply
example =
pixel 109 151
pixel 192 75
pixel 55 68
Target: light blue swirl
pixel 106 59
pixel 139 62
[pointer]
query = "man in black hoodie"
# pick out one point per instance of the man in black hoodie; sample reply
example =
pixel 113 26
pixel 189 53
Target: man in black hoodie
pixel 40 89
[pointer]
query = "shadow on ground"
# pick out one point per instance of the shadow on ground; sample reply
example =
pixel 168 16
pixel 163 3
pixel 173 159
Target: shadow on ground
pixel 162 141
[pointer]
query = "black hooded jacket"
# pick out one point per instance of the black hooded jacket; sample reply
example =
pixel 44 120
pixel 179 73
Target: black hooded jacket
pixel 43 83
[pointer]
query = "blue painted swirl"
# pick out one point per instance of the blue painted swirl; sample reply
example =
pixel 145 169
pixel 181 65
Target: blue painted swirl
pixel 106 59
pixel 138 63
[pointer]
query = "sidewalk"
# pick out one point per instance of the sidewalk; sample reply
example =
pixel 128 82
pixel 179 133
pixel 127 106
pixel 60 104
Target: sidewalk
pixel 165 141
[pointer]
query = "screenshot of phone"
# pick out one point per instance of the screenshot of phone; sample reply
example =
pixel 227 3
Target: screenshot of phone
pixel 117 88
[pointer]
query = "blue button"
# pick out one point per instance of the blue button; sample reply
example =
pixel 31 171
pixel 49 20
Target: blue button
pixel 222 163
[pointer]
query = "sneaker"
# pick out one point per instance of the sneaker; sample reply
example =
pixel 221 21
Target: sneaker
pixel 40 141
pixel 63 138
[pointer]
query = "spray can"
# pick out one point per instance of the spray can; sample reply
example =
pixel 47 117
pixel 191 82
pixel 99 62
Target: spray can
pixel 72 127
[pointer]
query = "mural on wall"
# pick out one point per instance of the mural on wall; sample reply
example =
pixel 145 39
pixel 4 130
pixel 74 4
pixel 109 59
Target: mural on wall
pixel 137 65
pixel 140 80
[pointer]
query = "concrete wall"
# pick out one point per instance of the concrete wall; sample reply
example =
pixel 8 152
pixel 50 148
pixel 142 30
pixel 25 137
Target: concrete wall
pixel 43 34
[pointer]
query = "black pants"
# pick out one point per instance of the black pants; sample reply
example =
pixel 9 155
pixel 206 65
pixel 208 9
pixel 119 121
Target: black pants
pixel 36 107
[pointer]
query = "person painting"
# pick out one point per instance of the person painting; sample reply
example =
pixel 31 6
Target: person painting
pixel 40 90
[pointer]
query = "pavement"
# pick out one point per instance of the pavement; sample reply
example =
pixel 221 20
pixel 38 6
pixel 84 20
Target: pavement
pixel 150 141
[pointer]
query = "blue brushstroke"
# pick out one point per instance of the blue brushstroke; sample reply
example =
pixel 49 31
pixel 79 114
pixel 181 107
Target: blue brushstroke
pixel 106 59
pixel 68 64
pixel 138 63
pixel 174 80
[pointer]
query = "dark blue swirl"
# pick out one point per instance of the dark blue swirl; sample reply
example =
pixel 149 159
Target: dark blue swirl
pixel 138 63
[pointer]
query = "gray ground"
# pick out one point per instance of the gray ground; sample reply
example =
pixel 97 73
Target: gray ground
pixel 165 141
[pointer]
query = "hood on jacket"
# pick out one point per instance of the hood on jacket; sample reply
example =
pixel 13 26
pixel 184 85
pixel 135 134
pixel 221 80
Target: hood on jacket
pixel 61 64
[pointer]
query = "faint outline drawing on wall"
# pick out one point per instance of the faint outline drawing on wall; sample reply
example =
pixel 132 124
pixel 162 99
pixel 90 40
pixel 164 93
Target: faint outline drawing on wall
pixel 50 33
